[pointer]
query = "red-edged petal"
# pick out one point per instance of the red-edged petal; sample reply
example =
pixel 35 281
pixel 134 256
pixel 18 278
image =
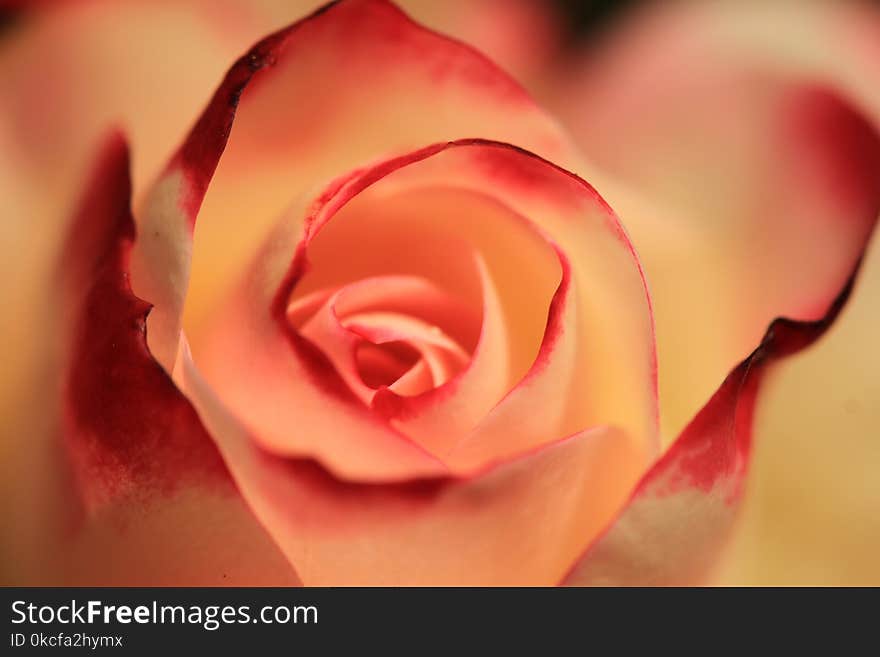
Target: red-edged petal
pixel 520 35
pixel 142 495
pixel 440 417
pixel 70 70
pixel 809 515
pixel 345 321
pixel 758 160
pixel 510 524
pixel 681 516
pixel 298 98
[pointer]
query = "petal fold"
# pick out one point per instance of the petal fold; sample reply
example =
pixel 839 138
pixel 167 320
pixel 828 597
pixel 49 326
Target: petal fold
pixel 133 490
pixel 681 517
pixel 809 511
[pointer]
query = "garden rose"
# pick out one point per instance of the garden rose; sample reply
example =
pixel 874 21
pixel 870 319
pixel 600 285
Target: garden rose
pixel 372 324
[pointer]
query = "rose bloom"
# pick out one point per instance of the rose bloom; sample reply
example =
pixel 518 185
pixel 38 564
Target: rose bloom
pixel 356 308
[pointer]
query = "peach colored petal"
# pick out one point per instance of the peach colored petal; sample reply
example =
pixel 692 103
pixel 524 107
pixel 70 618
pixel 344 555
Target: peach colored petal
pixel 344 322
pixel 71 70
pixel 439 417
pixel 809 514
pixel 681 517
pixel 553 383
pixel 520 35
pixel 129 459
pixel 298 404
pixel 751 130
pixel 414 296
pixel 373 529
pixel 416 380
pixel 443 356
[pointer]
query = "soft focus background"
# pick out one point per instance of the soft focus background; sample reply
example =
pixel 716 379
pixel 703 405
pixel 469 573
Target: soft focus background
pixel 811 516
pixel 580 17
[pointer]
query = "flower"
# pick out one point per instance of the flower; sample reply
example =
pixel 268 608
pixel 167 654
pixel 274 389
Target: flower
pixel 373 323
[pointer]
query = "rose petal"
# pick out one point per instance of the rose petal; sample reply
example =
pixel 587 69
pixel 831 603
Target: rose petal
pixel 759 160
pixel 301 123
pixel 343 323
pixel 809 514
pixel 70 70
pixel 681 515
pixel 520 35
pixel 414 296
pixel 443 356
pixel 139 493
pixel 439 417
pixel 416 380
pixel 554 383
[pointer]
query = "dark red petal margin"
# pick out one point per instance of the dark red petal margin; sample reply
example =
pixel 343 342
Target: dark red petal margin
pixel 681 515
pixel 125 423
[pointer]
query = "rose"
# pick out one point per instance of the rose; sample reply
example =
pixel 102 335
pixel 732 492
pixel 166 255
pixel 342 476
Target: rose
pixel 451 456
pixel 345 519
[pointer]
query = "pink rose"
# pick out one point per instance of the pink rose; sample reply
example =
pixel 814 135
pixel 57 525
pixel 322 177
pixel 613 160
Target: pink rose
pixel 373 324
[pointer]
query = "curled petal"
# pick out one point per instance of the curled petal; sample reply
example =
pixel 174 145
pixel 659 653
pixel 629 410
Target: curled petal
pixel 809 511
pixel 681 516
pixel 338 329
pixel 521 35
pixel 142 491
pixel 439 417
pixel 71 69
pixel 594 364
pixel 443 356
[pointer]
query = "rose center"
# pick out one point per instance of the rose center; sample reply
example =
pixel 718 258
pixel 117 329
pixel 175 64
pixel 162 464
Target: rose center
pixel 384 332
